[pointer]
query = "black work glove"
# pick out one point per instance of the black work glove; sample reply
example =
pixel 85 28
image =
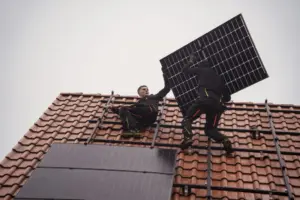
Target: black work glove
pixel 193 58
pixel 115 110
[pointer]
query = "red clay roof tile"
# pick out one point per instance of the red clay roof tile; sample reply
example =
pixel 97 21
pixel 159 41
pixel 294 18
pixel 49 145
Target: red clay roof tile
pixel 8 191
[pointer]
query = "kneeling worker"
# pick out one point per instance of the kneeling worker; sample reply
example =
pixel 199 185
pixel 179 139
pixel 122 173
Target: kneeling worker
pixel 143 113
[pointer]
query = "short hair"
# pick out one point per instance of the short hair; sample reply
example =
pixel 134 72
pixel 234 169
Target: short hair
pixel 141 87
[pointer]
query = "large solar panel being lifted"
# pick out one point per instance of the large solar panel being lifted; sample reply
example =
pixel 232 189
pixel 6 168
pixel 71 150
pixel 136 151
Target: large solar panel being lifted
pixel 232 53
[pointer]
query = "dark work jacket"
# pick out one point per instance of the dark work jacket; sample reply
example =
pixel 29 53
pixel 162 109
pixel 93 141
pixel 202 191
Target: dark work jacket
pixel 209 83
pixel 153 99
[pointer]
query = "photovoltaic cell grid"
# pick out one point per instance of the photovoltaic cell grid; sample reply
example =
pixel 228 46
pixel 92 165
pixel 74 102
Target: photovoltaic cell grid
pixel 232 53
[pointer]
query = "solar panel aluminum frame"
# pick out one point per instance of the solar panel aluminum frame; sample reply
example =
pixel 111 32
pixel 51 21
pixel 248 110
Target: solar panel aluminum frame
pixel 232 52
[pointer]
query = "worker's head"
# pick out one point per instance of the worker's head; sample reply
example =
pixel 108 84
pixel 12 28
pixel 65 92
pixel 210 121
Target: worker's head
pixel 143 91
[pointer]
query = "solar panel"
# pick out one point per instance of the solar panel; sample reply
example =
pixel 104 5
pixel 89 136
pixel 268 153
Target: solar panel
pixel 77 171
pixel 104 157
pixel 76 184
pixel 233 55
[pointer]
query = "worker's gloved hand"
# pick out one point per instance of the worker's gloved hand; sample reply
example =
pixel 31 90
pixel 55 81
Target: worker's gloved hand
pixel 193 58
pixel 115 109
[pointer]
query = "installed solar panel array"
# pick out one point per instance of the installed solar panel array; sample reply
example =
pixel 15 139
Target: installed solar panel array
pixel 232 52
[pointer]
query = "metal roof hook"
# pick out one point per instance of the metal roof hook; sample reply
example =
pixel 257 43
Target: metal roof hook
pixel 186 190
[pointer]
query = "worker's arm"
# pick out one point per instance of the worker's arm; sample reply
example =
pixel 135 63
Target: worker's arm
pixel 115 109
pixel 163 92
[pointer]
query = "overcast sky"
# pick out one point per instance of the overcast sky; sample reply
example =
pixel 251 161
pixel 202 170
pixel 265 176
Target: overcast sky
pixel 48 47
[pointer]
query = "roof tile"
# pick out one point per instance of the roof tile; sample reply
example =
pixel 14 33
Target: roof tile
pixel 15 180
pixel 7 191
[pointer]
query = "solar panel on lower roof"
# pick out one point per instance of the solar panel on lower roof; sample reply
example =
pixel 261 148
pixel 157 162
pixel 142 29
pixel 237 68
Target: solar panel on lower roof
pixel 104 157
pixel 75 184
pixel 77 171
pixel 232 52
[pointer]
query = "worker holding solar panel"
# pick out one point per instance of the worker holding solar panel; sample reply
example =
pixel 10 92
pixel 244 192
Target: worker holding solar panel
pixel 143 113
pixel 211 96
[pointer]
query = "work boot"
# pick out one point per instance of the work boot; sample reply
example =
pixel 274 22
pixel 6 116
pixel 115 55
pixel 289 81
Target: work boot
pixel 186 143
pixel 227 146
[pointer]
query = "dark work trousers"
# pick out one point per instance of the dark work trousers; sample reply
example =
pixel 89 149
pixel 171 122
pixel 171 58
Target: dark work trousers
pixel 213 110
pixel 137 117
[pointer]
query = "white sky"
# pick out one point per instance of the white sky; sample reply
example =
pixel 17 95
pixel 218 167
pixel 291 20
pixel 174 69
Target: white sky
pixel 48 47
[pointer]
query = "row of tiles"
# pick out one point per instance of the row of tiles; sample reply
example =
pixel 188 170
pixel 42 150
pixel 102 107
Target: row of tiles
pixel 166 135
pixel 62 98
pixel 171 115
pixel 170 118
pixel 238 108
pixel 92 103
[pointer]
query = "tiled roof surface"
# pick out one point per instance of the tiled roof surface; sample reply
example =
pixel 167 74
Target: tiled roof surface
pixel 67 120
